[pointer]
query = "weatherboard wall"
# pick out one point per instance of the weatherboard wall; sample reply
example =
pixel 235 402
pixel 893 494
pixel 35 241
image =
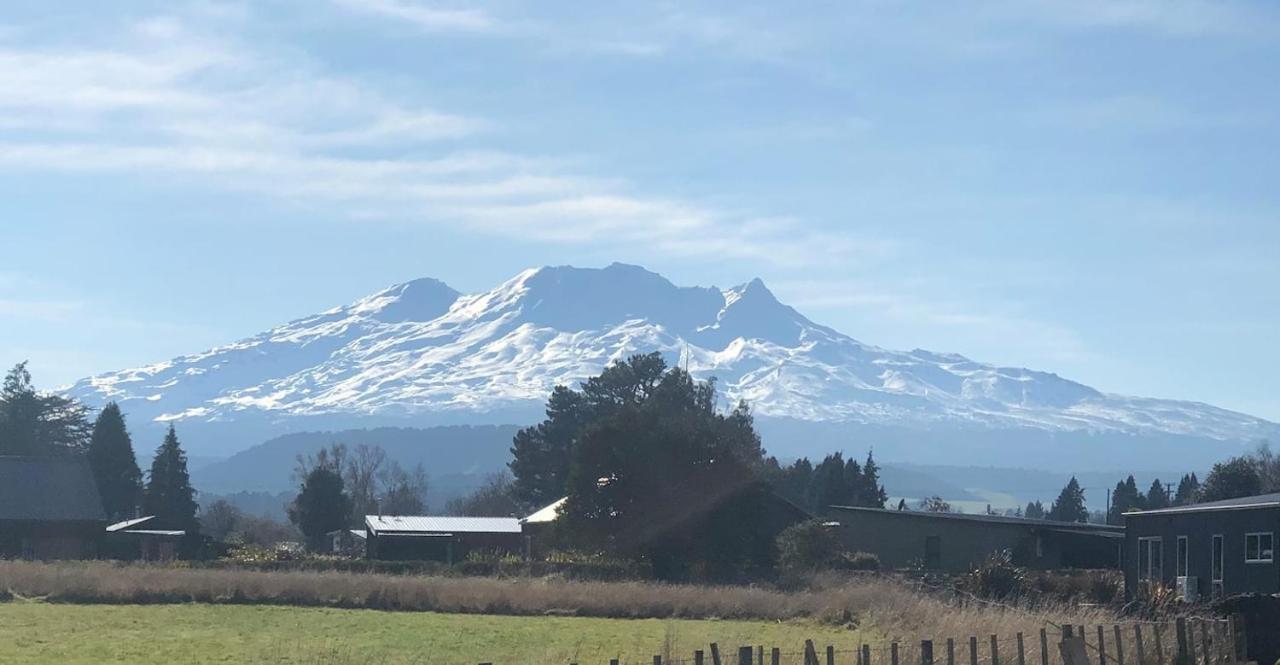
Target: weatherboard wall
pixel 1199 528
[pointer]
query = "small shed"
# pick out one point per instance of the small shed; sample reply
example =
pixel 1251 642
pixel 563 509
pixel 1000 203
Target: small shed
pixel 143 539
pixel 956 542
pixel 1212 549
pixel 49 508
pixel 440 538
pixel 348 542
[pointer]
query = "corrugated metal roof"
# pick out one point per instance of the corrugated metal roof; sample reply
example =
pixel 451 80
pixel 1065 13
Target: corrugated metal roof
pixel 437 524
pixel 546 513
pixel 1244 502
pixel 990 519
pixel 121 526
pixel 48 489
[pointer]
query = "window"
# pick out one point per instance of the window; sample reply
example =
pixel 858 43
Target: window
pixel 1258 548
pixel 1151 558
pixel 1183 552
pixel 1216 567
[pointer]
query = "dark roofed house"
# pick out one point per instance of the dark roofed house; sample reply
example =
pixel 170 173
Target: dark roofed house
pixel 1207 549
pixel 49 508
pixel 956 542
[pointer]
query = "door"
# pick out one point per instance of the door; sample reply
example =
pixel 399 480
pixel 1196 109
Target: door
pixel 1215 575
pixel 932 552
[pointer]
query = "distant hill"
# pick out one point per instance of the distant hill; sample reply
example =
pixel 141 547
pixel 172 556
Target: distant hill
pixel 453 456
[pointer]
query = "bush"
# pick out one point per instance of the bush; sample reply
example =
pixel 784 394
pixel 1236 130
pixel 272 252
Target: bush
pixel 996 577
pixel 808 546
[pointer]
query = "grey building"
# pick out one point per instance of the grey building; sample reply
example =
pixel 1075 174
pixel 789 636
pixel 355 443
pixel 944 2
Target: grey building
pixel 437 538
pixel 1220 547
pixel 956 542
pixel 49 508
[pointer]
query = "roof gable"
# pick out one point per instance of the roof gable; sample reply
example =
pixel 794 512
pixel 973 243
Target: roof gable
pixel 48 489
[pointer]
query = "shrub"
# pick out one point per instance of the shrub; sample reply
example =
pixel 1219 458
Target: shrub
pixel 807 546
pixel 858 561
pixel 996 577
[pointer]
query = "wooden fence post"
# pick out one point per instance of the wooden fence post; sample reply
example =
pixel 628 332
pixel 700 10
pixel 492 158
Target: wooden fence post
pixel 1119 645
pixel 715 654
pixel 1183 656
pixel 973 650
pixel 1022 656
pixel 995 650
pixel 926 652
pixel 1102 646
pixel 745 655
pixel 1044 647
pixel 657 660
pixel 951 651
pixel 1137 643
pixel 893 654
pixel 1158 629
pixel 831 655
pixel 1242 636
pixel 1205 646
pixel 775 656
pixel 866 654
pixel 697 657
pixel 613 661
pixel 810 654
pixel 760 654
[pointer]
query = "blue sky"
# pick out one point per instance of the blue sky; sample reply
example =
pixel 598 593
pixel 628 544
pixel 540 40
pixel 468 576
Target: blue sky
pixel 1082 187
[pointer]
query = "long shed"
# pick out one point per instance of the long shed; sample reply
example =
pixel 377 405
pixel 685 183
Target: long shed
pixel 440 538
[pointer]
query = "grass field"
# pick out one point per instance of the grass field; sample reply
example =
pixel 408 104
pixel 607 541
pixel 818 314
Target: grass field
pixel 39 632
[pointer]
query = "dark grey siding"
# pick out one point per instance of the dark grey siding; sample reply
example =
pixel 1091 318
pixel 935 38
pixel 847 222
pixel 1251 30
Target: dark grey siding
pixel 1199 529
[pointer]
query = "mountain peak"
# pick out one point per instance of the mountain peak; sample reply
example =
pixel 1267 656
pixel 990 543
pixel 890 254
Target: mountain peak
pixel 421 299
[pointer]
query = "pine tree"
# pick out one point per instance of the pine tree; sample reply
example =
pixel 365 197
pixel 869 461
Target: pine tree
pixel 1069 506
pixel 115 469
pixel 168 494
pixel 1188 491
pixel 1233 479
pixel 1157 496
pixel 1125 497
pixel 322 505
pixel 874 495
pixel 1034 511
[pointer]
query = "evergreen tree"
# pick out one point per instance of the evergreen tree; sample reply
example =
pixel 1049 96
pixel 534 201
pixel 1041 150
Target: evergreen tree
pixel 873 494
pixel 322 505
pixel 1157 496
pixel 1188 489
pixel 1233 479
pixel 32 423
pixel 1124 497
pixel 115 469
pixel 168 494
pixel 1069 506
pixel 1034 511
pixel 830 484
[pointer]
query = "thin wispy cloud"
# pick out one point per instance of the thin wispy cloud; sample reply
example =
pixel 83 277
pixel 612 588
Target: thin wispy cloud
pixel 423 16
pixel 180 103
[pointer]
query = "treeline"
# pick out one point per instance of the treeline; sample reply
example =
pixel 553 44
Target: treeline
pixel 834 481
pixel 39 424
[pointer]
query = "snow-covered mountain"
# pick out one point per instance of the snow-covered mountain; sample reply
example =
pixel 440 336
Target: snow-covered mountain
pixel 422 353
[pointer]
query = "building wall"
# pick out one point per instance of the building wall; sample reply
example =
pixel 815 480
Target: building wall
pixel 1199 528
pixel 50 540
pixel 457 546
pixel 901 540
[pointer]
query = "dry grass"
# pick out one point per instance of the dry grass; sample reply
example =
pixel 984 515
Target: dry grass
pixel 894 609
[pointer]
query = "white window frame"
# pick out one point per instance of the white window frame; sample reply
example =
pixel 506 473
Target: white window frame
pixel 1217 564
pixel 1270 554
pixel 1154 544
pixel 1182 556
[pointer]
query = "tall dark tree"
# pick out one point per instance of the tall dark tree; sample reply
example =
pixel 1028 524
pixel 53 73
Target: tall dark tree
pixel 830 485
pixel 1125 497
pixel 1035 511
pixel 1069 506
pixel 34 423
pixel 540 454
pixel 1157 496
pixel 1231 480
pixel 659 474
pixel 1188 491
pixel 168 494
pixel 114 466
pixel 322 505
pixel 873 494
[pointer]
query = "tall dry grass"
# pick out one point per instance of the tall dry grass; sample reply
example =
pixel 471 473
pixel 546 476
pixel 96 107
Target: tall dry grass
pixel 893 608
